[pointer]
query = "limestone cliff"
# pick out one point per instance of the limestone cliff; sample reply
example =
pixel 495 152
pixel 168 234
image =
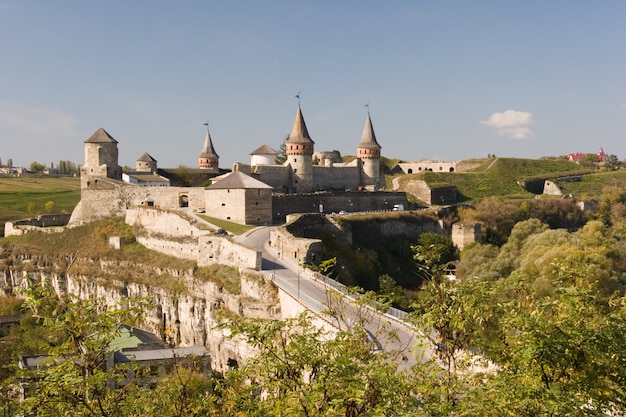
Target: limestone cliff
pixel 185 307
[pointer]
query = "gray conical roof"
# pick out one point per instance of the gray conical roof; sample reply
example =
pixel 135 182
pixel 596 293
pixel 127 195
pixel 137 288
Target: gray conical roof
pixel 101 136
pixel 146 157
pixel 368 138
pixel 264 150
pixel 299 133
pixel 207 150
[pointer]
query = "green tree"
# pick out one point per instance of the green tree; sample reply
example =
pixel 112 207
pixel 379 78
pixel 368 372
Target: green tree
pixel 281 156
pixel 75 379
pixel 302 370
pixel 49 206
pixel 37 167
pixel 432 254
pixel 557 353
pixel 391 291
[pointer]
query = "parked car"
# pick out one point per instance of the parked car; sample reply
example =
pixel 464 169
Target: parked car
pixel 222 232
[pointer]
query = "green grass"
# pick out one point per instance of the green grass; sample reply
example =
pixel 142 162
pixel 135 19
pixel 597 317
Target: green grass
pixel 500 177
pixel 592 186
pixel 76 248
pixel 234 228
pixel 19 194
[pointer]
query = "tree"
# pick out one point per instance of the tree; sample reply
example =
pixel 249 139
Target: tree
pixel 432 254
pixel 49 206
pixel 558 353
pixel 37 167
pixel 303 370
pixel 74 379
pixel 281 157
pixel 67 168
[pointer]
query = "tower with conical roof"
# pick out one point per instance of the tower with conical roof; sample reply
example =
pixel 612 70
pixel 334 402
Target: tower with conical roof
pixel 299 150
pixel 368 152
pixel 208 158
pixel 101 156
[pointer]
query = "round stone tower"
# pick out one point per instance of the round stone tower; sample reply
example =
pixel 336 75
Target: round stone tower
pixel 368 152
pixel 299 150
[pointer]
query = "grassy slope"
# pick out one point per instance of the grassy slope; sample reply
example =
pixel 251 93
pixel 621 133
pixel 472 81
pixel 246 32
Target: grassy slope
pixel 497 177
pixel 91 241
pixel 591 186
pixel 16 194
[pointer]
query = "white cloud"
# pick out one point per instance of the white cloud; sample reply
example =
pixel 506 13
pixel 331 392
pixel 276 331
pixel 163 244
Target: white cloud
pixel 25 121
pixel 511 123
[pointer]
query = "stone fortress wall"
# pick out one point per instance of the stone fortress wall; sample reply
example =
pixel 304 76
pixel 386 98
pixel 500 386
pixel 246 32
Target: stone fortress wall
pixel 174 235
pixel 47 223
pixel 106 197
pixel 284 204
pixel 435 166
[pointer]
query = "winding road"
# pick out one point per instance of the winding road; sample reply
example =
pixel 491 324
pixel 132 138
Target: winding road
pixel 313 291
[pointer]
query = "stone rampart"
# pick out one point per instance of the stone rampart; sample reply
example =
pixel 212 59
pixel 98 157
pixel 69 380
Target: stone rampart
pixel 105 197
pixel 47 223
pixel 297 247
pixel 429 195
pixel 421 166
pixel 330 202
pixel 464 234
pixel 551 188
pixel 170 233
pixel 336 177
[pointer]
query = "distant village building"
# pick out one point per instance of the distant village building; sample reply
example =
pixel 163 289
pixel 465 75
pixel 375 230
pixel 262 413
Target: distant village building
pixel 577 156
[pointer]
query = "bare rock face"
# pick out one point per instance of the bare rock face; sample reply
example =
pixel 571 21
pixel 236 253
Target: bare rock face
pixel 184 313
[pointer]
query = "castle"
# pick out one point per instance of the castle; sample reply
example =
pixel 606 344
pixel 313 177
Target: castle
pixel 306 171
pixel 248 193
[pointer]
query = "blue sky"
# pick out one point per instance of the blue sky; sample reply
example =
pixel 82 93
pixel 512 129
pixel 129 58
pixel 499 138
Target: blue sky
pixel 445 80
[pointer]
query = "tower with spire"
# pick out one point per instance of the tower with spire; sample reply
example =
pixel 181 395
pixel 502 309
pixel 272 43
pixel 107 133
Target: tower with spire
pixel 368 151
pixel 299 150
pixel 208 158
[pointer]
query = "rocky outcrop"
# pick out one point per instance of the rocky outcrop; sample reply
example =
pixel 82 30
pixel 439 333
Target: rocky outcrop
pixel 185 310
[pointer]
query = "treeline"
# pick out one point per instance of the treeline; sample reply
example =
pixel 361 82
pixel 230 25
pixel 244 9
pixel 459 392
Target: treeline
pixel 63 167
